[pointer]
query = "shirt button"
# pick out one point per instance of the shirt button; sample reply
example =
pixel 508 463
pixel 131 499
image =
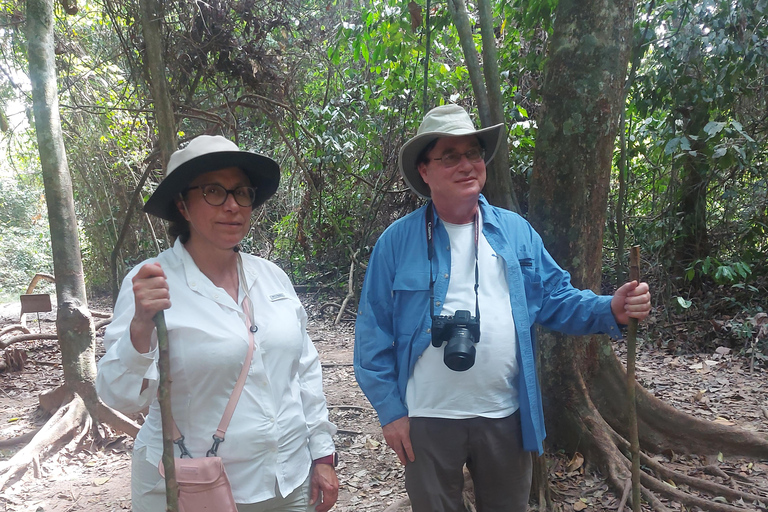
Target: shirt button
pixel 429 330
pixel 447 247
pixel 215 295
pixel 445 276
pixel 437 303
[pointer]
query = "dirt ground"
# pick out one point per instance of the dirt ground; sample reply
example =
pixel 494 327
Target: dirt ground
pixel 716 386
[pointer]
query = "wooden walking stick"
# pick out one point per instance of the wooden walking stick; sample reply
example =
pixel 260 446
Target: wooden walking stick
pixel 164 397
pixel 634 442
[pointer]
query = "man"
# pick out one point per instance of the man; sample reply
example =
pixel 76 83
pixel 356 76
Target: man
pixel 444 346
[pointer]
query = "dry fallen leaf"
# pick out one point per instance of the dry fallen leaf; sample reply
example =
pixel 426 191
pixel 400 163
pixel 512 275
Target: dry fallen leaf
pixel 101 480
pixel 579 505
pixel 576 462
pixel 722 421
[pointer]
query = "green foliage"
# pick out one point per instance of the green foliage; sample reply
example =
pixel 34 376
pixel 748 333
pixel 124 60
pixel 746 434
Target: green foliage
pixel 721 273
pixel 24 236
pixel 696 129
pixel 332 90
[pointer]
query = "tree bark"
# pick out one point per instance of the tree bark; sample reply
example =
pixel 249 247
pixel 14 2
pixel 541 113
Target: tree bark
pixel 693 242
pixel 73 319
pixel 582 98
pixel 463 26
pixel 486 86
pixel 584 383
pixel 151 24
pixel 498 188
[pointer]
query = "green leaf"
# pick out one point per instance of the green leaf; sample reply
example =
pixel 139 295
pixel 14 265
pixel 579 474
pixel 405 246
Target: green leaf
pixel 713 128
pixel 685 304
pixel 671 146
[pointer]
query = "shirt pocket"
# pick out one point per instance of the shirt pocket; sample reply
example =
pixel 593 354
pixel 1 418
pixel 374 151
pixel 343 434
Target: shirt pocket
pixel 534 288
pixel 410 294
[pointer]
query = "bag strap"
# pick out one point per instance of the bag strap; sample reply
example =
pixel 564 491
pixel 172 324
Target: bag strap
pixel 218 437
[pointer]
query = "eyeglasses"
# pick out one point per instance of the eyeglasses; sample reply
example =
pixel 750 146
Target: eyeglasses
pixel 474 155
pixel 216 195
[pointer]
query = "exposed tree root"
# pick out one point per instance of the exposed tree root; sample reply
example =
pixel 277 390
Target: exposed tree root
pixel 67 423
pixel 37 278
pixel 14 327
pixel 662 427
pixel 117 420
pixel 698 483
pixel 106 319
pixel 591 417
pixel 662 487
pixel 22 439
pixel 52 399
pixel 26 337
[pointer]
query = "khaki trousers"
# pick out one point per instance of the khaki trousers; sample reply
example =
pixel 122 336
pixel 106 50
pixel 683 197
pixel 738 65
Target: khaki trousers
pixel 492 450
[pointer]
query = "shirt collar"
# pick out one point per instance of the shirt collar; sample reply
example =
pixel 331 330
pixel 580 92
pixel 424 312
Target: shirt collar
pixel 200 283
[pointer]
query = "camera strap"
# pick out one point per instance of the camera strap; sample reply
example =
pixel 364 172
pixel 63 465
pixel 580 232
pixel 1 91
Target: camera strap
pixel 429 220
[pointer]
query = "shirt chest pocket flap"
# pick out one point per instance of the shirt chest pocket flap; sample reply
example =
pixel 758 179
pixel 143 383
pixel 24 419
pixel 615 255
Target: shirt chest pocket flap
pixel 410 293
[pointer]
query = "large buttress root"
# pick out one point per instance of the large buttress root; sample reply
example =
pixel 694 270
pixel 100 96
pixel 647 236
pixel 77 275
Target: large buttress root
pixel 587 413
pixel 68 422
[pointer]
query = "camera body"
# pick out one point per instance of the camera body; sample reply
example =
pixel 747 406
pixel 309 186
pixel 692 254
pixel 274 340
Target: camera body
pixel 461 331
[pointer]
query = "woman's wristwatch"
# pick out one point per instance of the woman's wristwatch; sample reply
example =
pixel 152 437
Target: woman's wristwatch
pixel 332 459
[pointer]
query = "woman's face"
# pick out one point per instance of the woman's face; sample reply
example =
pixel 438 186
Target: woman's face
pixel 223 226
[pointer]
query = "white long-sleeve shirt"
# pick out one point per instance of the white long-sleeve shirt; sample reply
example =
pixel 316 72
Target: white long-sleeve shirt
pixel 281 421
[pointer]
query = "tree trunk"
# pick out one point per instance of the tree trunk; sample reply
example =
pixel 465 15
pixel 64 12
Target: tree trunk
pixel 498 187
pixel 583 382
pixel 151 24
pixel 693 242
pixel 486 86
pixel 73 319
pixel 464 28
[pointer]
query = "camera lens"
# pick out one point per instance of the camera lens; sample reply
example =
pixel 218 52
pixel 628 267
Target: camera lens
pixel 459 354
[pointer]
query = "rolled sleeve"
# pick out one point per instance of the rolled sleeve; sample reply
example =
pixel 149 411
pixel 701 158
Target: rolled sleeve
pixel 122 369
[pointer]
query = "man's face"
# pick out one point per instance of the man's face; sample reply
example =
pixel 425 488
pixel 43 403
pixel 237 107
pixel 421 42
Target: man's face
pixel 461 182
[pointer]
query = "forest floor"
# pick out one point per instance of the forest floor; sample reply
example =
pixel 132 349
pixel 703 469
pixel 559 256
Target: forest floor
pixel 715 385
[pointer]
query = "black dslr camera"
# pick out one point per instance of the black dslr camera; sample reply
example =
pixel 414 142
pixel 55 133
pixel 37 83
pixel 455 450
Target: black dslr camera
pixel 461 331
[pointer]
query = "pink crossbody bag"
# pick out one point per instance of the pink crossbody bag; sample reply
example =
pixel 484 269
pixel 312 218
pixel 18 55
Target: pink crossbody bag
pixel 202 481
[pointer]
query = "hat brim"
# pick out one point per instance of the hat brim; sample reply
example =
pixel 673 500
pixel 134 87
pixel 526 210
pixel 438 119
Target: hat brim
pixel 489 137
pixel 262 172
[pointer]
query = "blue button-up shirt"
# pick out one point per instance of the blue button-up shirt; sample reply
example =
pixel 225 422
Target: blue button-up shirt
pixel 393 319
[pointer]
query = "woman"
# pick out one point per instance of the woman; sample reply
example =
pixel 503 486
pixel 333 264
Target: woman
pixel 278 450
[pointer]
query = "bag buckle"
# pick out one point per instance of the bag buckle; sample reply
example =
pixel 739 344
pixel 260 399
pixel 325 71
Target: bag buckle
pixel 215 447
pixel 183 448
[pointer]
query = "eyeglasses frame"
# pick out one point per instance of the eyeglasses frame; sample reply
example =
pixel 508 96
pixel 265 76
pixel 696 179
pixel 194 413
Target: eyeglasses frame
pixel 226 195
pixel 480 150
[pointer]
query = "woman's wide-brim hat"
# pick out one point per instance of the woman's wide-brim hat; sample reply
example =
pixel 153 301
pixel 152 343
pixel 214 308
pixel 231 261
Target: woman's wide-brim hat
pixel 207 153
pixel 443 121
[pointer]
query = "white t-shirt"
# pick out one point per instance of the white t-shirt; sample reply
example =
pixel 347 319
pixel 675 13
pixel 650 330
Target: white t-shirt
pixel 487 389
